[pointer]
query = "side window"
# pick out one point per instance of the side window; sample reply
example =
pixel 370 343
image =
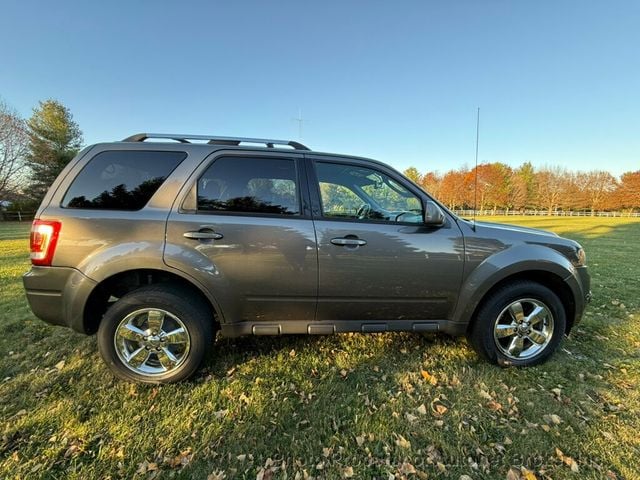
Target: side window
pixel 250 185
pixel 121 179
pixel 360 193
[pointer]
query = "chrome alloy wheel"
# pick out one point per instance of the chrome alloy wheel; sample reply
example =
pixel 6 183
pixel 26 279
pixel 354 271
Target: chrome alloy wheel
pixel 152 341
pixel 523 329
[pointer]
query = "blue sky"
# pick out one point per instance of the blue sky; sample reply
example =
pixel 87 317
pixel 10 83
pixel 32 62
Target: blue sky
pixel 558 83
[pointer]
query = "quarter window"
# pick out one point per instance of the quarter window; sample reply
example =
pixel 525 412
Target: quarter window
pixel 121 179
pixel 250 185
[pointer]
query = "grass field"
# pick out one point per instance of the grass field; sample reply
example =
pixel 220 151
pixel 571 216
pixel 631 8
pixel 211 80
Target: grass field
pixel 348 406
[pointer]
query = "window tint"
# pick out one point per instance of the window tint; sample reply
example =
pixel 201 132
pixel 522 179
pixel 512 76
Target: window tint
pixel 253 185
pixel 360 193
pixel 121 180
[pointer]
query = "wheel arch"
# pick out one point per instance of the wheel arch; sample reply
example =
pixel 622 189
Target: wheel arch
pixel 121 283
pixel 552 281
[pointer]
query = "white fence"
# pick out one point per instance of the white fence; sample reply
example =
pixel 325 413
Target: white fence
pixel 547 213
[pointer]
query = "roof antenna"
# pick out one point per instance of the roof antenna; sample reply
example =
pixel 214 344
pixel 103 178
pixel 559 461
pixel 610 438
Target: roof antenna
pixel 475 186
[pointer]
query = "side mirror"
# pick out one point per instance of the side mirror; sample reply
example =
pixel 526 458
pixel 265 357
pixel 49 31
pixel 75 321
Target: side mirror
pixel 433 214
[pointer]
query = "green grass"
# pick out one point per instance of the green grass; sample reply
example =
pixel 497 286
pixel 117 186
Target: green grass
pixel 324 407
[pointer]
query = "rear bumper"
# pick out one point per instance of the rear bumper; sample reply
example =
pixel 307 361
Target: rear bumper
pixel 58 295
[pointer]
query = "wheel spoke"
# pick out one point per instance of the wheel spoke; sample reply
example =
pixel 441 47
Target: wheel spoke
pixel 516 346
pixel 537 337
pixel 537 315
pixel 167 358
pixel 138 357
pixel 503 331
pixel 179 335
pixel 131 332
pixel 155 319
pixel 515 309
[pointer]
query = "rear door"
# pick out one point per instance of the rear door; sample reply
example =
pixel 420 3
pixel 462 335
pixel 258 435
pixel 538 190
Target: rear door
pixel 377 260
pixel 245 232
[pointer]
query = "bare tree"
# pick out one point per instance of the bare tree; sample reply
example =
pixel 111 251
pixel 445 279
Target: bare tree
pixel 597 186
pixel 551 186
pixel 14 140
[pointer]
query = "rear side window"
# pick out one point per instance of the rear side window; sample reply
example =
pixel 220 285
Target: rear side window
pixel 250 185
pixel 121 179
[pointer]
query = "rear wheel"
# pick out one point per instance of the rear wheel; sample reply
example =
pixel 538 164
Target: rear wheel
pixel 520 324
pixel 156 334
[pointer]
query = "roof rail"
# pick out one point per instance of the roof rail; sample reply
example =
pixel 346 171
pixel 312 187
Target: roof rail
pixel 214 140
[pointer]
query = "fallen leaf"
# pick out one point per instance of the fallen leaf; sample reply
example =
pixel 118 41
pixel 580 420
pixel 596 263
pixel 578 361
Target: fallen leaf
pixel 513 474
pixel 360 440
pixel 410 418
pixel 406 468
pixel 552 419
pixel 428 377
pixel 484 394
pixel 440 409
pixel 347 472
pixel 422 409
pixel 403 442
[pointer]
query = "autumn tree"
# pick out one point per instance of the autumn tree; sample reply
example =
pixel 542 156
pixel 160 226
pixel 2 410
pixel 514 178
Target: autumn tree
pixel 454 191
pixel 523 187
pixel 492 185
pixel 413 174
pixel 551 182
pixel 54 139
pixel 596 186
pixel 627 194
pixel 13 150
pixel 431 182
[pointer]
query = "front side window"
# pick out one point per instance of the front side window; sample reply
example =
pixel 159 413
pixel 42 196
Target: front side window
pixel 250 185
pixel 121 179
pixel 360 193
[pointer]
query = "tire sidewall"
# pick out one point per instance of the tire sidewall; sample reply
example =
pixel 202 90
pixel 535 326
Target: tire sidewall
pixel 189 312
pixel 483 335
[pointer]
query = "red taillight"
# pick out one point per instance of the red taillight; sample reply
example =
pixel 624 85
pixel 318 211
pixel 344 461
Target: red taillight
pixel 44 236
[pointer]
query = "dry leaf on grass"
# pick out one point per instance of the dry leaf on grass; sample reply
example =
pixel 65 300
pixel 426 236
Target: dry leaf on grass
pixel 432 379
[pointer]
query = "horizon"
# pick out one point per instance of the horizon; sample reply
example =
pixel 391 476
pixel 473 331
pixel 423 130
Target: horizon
pixel 554 83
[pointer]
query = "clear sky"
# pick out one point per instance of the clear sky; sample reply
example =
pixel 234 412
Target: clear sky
pixel 558 82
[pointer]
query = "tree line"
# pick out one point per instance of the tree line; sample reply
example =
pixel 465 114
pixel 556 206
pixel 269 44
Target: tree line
pixel 34 151
pixel 498 186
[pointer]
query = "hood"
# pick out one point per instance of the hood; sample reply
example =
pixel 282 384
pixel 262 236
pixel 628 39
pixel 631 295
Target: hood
pixel 515 228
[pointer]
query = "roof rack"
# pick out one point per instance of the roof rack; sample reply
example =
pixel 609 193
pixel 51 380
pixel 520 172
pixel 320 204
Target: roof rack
pixel 214 140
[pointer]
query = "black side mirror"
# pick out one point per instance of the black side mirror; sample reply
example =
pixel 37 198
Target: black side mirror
pixel 433 214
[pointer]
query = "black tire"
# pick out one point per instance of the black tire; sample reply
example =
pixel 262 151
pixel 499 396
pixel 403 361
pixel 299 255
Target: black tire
pixel 481 333
pixel 192 311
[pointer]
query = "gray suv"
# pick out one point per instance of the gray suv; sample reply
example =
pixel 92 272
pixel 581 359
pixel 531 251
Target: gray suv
pixel 157 245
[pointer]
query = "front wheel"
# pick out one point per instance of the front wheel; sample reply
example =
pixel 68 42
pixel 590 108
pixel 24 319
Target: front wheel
pixel 155 334
pixel 520 324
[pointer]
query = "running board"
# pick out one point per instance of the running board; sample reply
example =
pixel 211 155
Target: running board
pixel 328 327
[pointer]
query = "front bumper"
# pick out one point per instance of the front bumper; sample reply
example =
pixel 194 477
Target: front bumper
pixel 583 294
pixel 58 295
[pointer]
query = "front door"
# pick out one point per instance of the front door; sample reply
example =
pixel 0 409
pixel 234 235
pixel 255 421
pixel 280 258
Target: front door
pixel 247 238
pixel 376 258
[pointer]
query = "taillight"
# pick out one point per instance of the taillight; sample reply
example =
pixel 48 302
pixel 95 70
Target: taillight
pixel 44 236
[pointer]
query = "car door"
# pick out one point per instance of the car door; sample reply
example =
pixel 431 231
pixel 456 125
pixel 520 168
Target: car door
pixel 244 231
pixel 377 259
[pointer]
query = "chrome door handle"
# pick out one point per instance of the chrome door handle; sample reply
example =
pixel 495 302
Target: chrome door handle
pixel 203 235
pixel 352 242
